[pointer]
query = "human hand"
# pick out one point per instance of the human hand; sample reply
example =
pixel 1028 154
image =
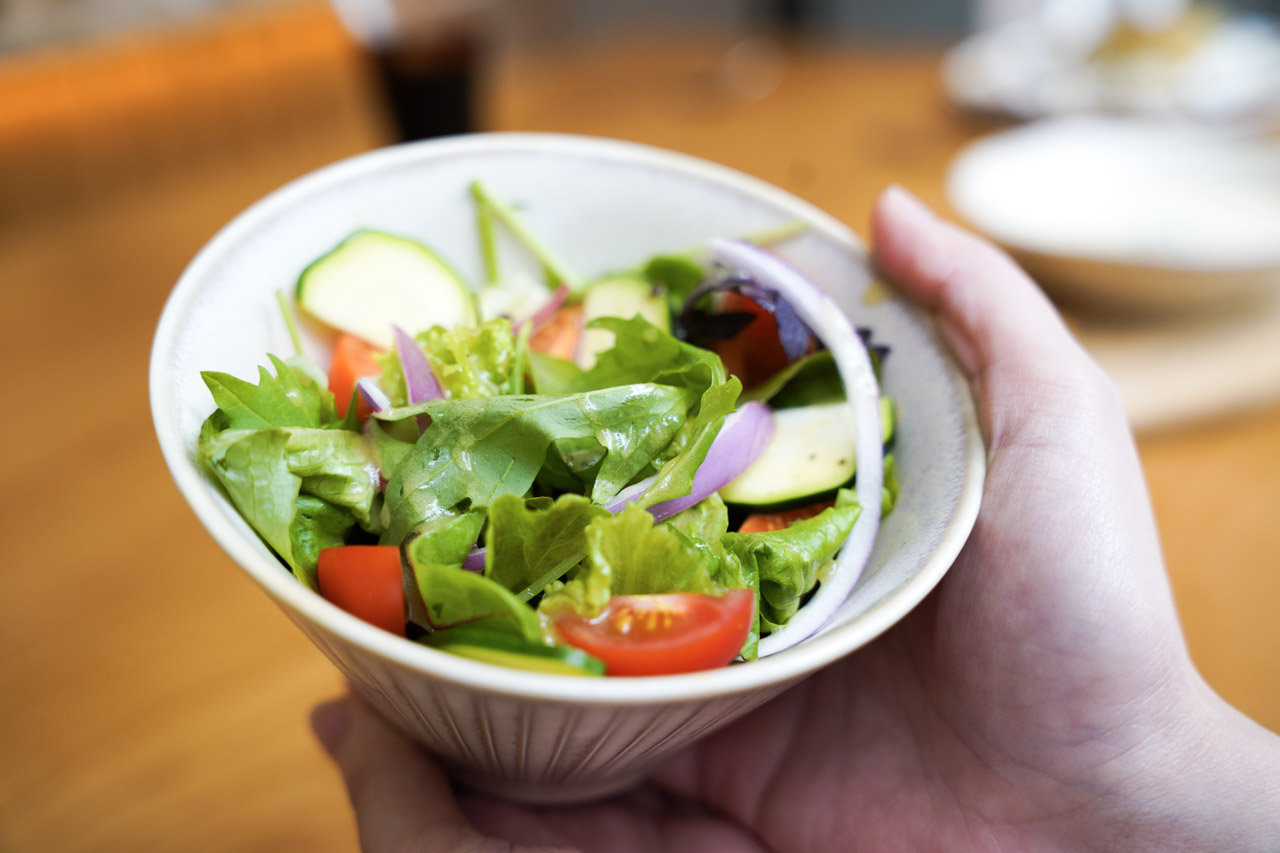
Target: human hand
pixel 1041 698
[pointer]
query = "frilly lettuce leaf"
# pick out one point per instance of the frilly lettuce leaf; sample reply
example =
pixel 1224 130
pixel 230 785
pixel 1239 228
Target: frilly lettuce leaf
pixel 627 554
pixel 786 562
pixel 706 521
pixel 292 398
pixel 468 361
pixel 528 547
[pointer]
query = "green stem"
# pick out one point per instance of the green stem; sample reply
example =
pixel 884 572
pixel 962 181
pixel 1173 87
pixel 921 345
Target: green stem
pixel 289 320
pixel 484 226
pixel 778 233
pixel 507 217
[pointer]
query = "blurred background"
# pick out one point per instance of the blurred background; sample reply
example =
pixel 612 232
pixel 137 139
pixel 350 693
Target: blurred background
pixel 1124 150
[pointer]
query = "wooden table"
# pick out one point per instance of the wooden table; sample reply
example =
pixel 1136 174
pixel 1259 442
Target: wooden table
pixel 154 699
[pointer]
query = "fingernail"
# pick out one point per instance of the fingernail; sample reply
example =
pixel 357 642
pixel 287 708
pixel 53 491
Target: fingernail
pixel 330 721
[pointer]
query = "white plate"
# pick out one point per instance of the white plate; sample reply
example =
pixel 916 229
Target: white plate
pixel 1128 214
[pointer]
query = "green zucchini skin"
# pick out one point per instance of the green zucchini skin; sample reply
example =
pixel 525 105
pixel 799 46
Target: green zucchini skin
pixel 508 650
pixel 809 461
pixel 373 280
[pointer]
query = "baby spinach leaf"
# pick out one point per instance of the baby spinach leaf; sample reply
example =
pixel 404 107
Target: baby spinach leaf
pixel 678 275
pixel 807 381
pixel 454 596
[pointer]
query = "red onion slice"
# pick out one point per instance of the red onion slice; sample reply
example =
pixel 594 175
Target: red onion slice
pixel 738 445
pixel 539 318
pixel 630 494
pixel 419 378
pixel 372 395
pixel 821 313
pixel 475 560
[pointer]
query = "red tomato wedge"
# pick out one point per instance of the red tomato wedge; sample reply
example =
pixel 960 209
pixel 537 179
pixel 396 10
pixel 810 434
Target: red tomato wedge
pixel 364 580
pixel 352 360
pixel 663 634
pixel 766 522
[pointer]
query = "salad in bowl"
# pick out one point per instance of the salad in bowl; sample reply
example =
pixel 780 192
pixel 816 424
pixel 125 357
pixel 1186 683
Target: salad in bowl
pixel 645 473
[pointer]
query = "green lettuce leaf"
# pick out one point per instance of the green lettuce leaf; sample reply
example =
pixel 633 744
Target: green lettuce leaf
pixel 707 521
pixel 675 476
pixel 528 547
pixel 627 554
pixel 786 562
pixel 448 541
pixel 678 275
pixel 468 361
pixel 892 488
pixel 806 381
pixel 291 398
pixel 472 361
pixel 477 449
pixel 265 472
pixel 454 596
pixel 641 353
pixel 316 525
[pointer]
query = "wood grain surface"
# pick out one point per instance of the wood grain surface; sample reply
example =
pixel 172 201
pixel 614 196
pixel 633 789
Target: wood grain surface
pixel 154 699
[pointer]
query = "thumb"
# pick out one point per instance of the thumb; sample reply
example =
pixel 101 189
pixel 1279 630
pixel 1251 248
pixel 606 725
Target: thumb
pixel 1003 331
pixel 401 797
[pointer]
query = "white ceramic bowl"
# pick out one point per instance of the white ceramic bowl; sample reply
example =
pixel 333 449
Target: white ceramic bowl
pixel 1126 214
pixel 605 205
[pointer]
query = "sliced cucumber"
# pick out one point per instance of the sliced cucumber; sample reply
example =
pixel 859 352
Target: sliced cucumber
pixel 812 452
pixel 512 651
pixel 620 296
pixel 373 281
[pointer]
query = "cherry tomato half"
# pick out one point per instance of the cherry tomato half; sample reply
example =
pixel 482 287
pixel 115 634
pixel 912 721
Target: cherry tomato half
pixel 767 522
pixel 560 336
pixel 663 634
pixel 352 360
pixel 364 580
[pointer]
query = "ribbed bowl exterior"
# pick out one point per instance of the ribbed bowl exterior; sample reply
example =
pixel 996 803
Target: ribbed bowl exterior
pixel 520 747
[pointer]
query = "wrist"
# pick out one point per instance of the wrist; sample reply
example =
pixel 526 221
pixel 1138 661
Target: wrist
pixel 1212 784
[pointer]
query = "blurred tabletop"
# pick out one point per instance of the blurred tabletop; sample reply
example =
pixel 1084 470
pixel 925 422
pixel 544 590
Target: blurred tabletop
pixel 154 699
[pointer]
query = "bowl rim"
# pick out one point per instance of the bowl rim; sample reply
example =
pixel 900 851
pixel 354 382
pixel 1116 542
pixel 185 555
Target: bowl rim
pixel 776 670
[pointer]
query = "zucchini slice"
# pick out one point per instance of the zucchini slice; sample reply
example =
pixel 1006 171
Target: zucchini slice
pixel 508 650
pixel 812 453
pixel 373 281
pixel 621 296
